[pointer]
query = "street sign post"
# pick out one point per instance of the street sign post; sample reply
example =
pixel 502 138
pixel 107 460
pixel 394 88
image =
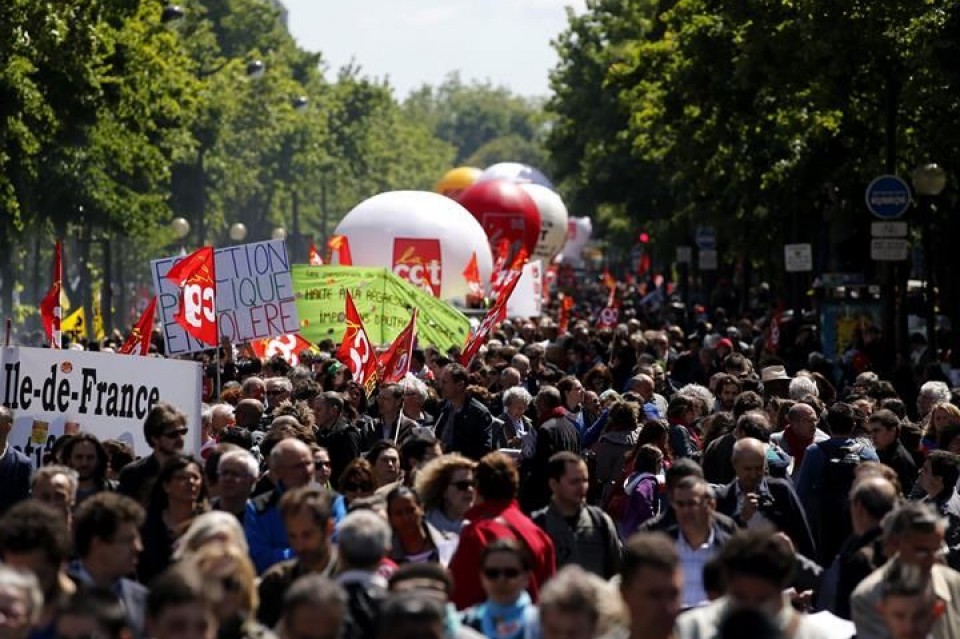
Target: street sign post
pixel 706 238
pixel 798 258
pixel 888 197
pixel 889 249
pixel 888 229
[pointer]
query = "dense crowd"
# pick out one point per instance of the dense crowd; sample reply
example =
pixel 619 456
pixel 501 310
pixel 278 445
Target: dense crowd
pixel 601 483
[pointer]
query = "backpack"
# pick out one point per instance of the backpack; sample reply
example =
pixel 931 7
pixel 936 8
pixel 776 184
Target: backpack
pixel 839 471
pixel 619 496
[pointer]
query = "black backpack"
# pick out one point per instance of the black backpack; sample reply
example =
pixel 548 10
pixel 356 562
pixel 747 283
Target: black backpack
pixel 839 472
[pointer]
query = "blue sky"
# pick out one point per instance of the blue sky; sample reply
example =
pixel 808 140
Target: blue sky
pixel 420 41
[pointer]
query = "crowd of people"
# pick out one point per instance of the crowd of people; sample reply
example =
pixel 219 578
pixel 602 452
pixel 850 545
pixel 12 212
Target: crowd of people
pixel 602 483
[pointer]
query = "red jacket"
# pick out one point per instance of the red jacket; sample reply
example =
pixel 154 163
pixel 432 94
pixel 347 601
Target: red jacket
pixel 482 529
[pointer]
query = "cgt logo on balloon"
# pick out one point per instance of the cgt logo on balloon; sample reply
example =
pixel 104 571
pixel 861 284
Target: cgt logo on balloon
pixel 418 261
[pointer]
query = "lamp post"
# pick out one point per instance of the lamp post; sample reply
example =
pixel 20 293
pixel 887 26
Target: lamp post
pixel 238 232
pixel 929 180
pixel 300 105
pixel 181 229
pixel 279 233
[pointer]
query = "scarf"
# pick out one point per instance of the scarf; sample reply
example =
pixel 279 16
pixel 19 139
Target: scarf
pixel 798 446
pixel 559 411
pixel 505 621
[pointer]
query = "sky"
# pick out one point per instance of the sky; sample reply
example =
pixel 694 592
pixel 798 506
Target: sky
pixel 413 42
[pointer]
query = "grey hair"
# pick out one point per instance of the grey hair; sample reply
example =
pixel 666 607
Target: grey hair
pixel 573 589
pixel 207 526
pixel 413 385
pixel 937 390
pixel 280 383
pixel 912 516
pixel 48 472
pixel 245 457
pixel 515 393
pixel 698 392
pixel 26 582
pixel 364 539
pixel 206 415
pixel 801 386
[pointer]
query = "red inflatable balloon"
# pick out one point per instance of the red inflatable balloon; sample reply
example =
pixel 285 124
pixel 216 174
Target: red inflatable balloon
pixel 504 210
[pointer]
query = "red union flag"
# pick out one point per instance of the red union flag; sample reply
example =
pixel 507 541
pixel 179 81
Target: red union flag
pixel 471 274
pixel 395 362
pixel 139 340
pixel 419 262
pixel 288 346
pixel 315 259
pixel 356 352
pixel 496 313
pixel 341 245
pixel 195 276
pixel 50 310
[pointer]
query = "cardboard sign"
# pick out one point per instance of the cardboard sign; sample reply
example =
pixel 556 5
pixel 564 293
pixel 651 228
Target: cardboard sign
pixel 255 297
pixel 527 298
pixel 53 392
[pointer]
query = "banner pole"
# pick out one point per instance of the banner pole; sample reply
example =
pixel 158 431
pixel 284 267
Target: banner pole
pixel 6 339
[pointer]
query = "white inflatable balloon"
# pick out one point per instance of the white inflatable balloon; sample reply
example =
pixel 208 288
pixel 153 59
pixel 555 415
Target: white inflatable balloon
pixel 553 222
pixel 579 230
pixel 425 238
pixel 514 172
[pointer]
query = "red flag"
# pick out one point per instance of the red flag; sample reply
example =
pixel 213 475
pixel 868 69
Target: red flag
pixel 490 320
pixel 472 276
pixel 315 259
pixel 139 340
pixel 395 362
pixel 356 352
pixel 50 310
pixel 503 254
pixel 516 266
pixel 288 346
pixel 772 343
pixel 195 276
pixel 341 245
pixel 565 307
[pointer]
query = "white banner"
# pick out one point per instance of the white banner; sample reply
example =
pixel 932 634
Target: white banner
pixel 52 392
pixel 254 296
pixel 527 298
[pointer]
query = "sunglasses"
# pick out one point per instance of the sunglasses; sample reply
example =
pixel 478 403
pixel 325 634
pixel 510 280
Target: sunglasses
pixel 463 486
pixel 497 573
pixel 173 434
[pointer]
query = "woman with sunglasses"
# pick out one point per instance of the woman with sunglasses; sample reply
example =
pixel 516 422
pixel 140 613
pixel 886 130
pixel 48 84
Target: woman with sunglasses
pixel 177 497
pixel 229 574
pixel 356 482
pixel 508 612
pixel 446 489
pixel 415 541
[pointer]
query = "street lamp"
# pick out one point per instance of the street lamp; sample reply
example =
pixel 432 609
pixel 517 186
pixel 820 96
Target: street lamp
pixel 238 232
pixel 279 233
pixel 172 13
pixel 256 69
pixel 180 227
pixel 929 180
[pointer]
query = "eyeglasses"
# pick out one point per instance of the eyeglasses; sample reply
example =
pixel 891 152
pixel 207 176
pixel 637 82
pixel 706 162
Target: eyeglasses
pixel 173 434
pixel 497 573
pixel 462 486
pixel 324 463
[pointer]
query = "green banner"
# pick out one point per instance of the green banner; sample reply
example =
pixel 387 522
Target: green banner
pixel 385 303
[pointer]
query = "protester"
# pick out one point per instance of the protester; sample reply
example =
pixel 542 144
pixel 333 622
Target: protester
pixel 508 611
pixel 415 540
pixel 21 602
pixel 56 486
pixel 447 489
pixel 180 606
pixel 86 455
pixel 15 467
pixel 165 431
pixel 465 425
pixel 364 542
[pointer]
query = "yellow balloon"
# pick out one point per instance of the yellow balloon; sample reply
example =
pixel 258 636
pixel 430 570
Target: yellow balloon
pixel 456 180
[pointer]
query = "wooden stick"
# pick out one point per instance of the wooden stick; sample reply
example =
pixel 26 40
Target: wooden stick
pixel 6 339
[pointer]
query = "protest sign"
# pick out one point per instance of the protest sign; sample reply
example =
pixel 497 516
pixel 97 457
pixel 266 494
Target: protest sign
pixel 527 298
pixel 53 392
pixel 384 301
pixel 255 297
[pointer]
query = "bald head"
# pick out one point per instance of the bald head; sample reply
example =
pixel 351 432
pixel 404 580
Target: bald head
pixel 871 498
pixel 253 388
pixel 221 416
pixel 291 463
pixel 510 377
pixel 642 385
pixel 750 463
pixel 803 420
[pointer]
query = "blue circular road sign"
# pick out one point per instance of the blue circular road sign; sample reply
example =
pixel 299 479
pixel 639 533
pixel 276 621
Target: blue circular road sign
pixel 888 197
